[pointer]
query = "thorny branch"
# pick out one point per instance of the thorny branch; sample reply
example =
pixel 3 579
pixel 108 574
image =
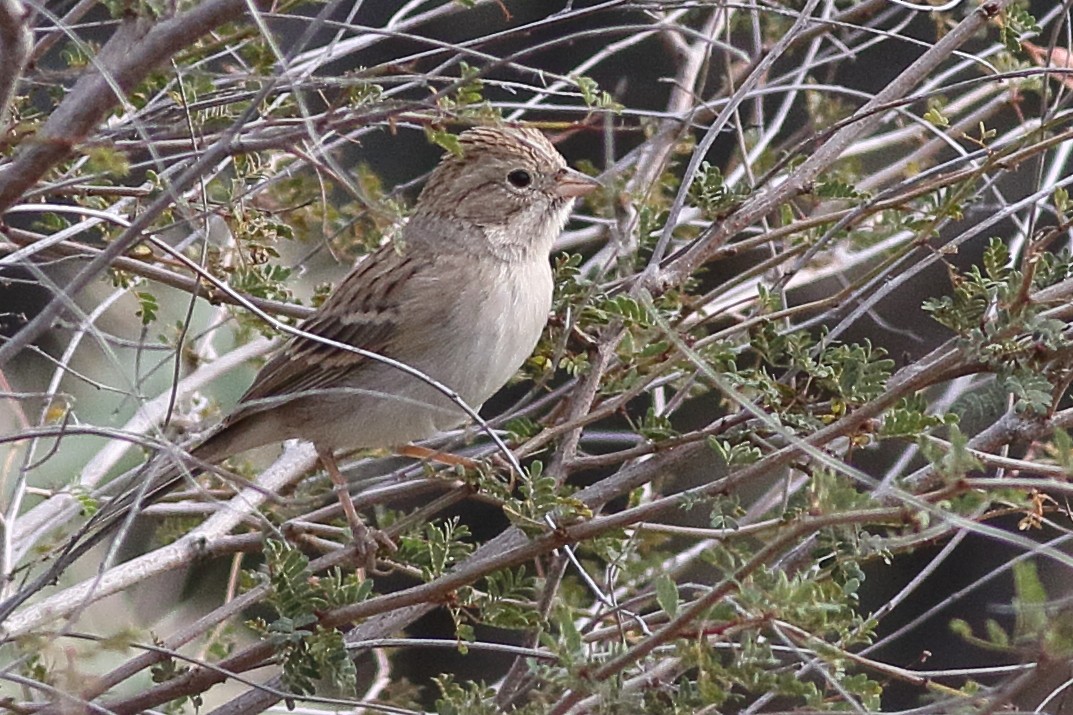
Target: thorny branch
pixel 692 436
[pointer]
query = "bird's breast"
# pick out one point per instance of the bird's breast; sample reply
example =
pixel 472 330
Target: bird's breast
pixel 503 314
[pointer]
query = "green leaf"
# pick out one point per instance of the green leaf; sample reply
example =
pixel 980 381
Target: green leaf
pixel 954 461
pixel 1032 390
pixel 996 634
pixel 1061 201
pixel 656 427
pixel 1029 601
pixel 569 634
pixel 148 306
pixel 936 117
pixel 836 189
pixel 445 140
pixel 909 419
pixel 667 595
pixel 710 193
pixel 961 628
pixel 594 97
pixel 106 160
pixel 1062 449
pixel 1016 22
pixel 997 259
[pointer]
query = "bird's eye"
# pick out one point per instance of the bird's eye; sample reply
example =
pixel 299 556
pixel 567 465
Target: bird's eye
pixel 520 178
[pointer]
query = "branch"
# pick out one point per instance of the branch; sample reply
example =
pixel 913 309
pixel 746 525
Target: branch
pixel 198 543
pixel 127 59
pixel 193 286
pixel 15 45
pixel 700 251
pixel 42 518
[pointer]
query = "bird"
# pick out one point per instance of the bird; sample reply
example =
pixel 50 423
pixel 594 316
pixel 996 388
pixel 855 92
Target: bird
pixel 462 297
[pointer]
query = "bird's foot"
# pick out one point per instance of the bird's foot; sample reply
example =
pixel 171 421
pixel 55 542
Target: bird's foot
pixel 367 544
pixel 366 541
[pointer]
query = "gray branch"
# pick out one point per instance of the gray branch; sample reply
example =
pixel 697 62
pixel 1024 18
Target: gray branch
pixel 15 45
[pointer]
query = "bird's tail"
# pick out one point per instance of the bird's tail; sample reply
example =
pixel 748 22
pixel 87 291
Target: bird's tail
pixel 148 483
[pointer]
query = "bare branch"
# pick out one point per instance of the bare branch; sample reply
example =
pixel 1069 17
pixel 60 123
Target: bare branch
pixel 15 45
pixel 133 51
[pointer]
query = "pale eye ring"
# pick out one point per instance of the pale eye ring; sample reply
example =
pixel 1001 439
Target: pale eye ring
pixel 520 178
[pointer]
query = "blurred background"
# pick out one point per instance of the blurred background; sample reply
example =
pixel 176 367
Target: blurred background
pixel 690 113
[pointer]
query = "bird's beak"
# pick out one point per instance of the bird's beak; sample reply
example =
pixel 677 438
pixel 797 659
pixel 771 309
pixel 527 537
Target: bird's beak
pixel 570 184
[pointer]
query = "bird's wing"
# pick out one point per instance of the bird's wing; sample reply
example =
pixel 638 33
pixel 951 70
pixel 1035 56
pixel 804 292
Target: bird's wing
pixel 363 312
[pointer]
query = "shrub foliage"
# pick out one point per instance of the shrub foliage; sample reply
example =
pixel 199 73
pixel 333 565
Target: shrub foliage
pixel 809 359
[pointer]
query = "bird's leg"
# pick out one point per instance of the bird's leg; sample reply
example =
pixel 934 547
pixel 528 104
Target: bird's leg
pixel 424 453
pixel 366 540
